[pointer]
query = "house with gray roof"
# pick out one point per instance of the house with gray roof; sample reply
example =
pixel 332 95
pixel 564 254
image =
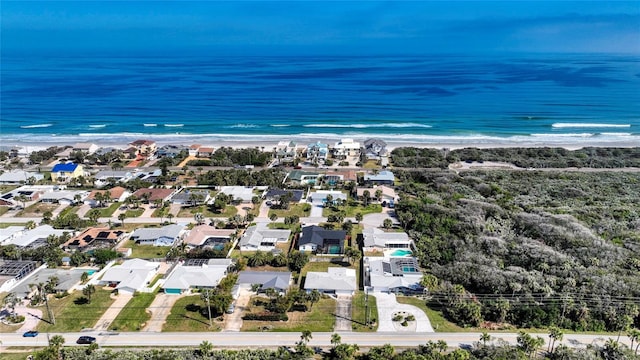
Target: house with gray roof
pixel 33 238
pixel 376 149
pixel 392 274
pixel 260 237
pixel 377 240
pixel 14 177
pixel 189 275
pixel 191 197
pixel 277 280
pixel 131 276
pixel 384 177
pixel 301 177
pixel 336 280
pixel 319 240
pixel 238 193
pixel 164 236
pixel 276 194
pixel 67 279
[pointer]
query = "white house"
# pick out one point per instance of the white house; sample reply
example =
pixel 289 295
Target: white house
pixel 392 274
pixel 31 238
pixel 131 276
pixel 337 280
pixel 164 236
pixel 20 177
pixel 260 237
pixel 64 196
pixel 377 240
pixel 345 148
pixel 238 193
pixel 196 274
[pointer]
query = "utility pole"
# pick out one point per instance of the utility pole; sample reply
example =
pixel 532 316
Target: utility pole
pixel 46 302
pixel 209 307
pixel 366 307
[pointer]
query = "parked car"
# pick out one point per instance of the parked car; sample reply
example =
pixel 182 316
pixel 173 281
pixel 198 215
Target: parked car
pixel 231 309
pixel 86 340
pixel 31 333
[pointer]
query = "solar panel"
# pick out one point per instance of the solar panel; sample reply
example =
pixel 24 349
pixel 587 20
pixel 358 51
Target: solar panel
pixel 103 235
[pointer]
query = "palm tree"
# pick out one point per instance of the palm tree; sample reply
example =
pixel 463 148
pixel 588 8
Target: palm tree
pixel 634 336
pixel 170 216
pixel 88 291
pixel 485 337
pixel 30 225
pixel 121 217
pixel 11 301
pixel 314 296
pixel 84 277
pixel 555 334
pixel 335 340
pixel 306 336
pixel 359 217
pixel 205 348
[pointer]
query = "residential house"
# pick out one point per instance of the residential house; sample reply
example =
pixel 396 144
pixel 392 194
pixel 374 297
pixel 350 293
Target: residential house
pixel 387 194
pixel 66 172
pixel 94 238
pixel 346 148
pixel 319 240
pixel 106 177
pixel 384 177
pixel 85 148
pixel 286 151
pixel 276 194
pixel 320 197
pixel 375 149
pixel 193 149
pixel 170 151
pixel 151 195
pixel 27 192
pixel 242 194
pixel 336 280
pixel 12 271
pixel 116 194
pixel 377 240
pixel 392 274
pixel 164 236
pixel 64 196
pixel 260 237
pixel 191 197
pixel 202 236
pixel 204 152
pixel 144 148
pixel 30 239
pixel 301 177
pixel 16 177
pixel 317 152
pixel 280 281
pixel 196 274
pixel 67 280
pixel 131 276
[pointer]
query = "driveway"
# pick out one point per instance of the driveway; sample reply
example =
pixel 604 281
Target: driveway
pixel 343 313
pixel 31 316
pixel 388 306
pixel 316 210
pixel 160 308
pixel 376 219
pixel 113 311
pixel 233 322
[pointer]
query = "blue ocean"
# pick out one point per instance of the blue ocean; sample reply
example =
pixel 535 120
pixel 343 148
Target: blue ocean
pixel 581 99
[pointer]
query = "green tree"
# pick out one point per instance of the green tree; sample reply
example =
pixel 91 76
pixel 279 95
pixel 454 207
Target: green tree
pixel 335 339
pixel 88 291
pixel 555 334
pixel 93 215
pixel 84 277
pixel 387 224
pixel 634 336
pixel 485 337
pixel 121 217
pixel 205 348
pixel 359 217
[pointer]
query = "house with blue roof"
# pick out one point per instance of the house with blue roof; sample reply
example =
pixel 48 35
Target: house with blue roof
pixel 66 172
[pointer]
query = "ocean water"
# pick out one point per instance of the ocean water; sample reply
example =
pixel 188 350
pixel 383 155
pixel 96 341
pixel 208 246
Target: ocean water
pixel 544 99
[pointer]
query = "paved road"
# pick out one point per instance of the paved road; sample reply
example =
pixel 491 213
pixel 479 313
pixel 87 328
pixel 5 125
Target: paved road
pixel 274 340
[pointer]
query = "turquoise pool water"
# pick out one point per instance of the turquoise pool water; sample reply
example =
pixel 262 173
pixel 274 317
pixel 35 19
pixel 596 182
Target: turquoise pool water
pixel 401 252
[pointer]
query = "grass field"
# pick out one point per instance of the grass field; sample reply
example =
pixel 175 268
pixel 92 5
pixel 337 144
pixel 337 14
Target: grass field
pixel 146 251
pixel 301 210
pixel 133 213
pixel 133 316
pixel 319 319
pixel 4 210
pixel 108 211
pixel 6 225
pixel 352 210
pixel 205 210
pixel 74 316
pixel 438 322
pixel 185 316
pixel 358 312
pixel 36 209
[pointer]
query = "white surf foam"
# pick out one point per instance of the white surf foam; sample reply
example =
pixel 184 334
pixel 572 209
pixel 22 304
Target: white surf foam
pixel 36 126
pixel 98 126
pixel 150 125
pixel 365 126
pixel 588 125
pixel 173 125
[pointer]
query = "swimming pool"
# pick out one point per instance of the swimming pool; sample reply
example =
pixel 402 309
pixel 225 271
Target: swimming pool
pixel 401 252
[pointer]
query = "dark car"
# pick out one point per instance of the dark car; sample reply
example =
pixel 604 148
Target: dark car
pixel 86 340
pixel 31 333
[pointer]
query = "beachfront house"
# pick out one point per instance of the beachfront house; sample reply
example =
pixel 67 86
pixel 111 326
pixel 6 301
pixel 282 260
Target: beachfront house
pixel 171 151
pixel 144 148
pixel 66 172
pixel 196 274
pixel 346 148
pixel 335 281
pixel 317 152
pixel 318 240
pixel 164 236
pixel 85 148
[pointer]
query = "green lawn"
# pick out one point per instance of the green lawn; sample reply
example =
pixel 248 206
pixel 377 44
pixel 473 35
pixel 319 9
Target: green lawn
pixel 352 210
pixel 108 211
pixel 6 225
pixel 132 213
pixel 146 251
pixel 358 314
pixel 302 210
pixel 4 210
pixel 319 319
pixel 207 212
pixel 438 322
pixel 69 210
pixel 185 316
pixel 134 315
pixel 71 316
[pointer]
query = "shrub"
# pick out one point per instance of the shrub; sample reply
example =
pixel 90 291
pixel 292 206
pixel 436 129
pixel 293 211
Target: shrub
pixel 266 317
